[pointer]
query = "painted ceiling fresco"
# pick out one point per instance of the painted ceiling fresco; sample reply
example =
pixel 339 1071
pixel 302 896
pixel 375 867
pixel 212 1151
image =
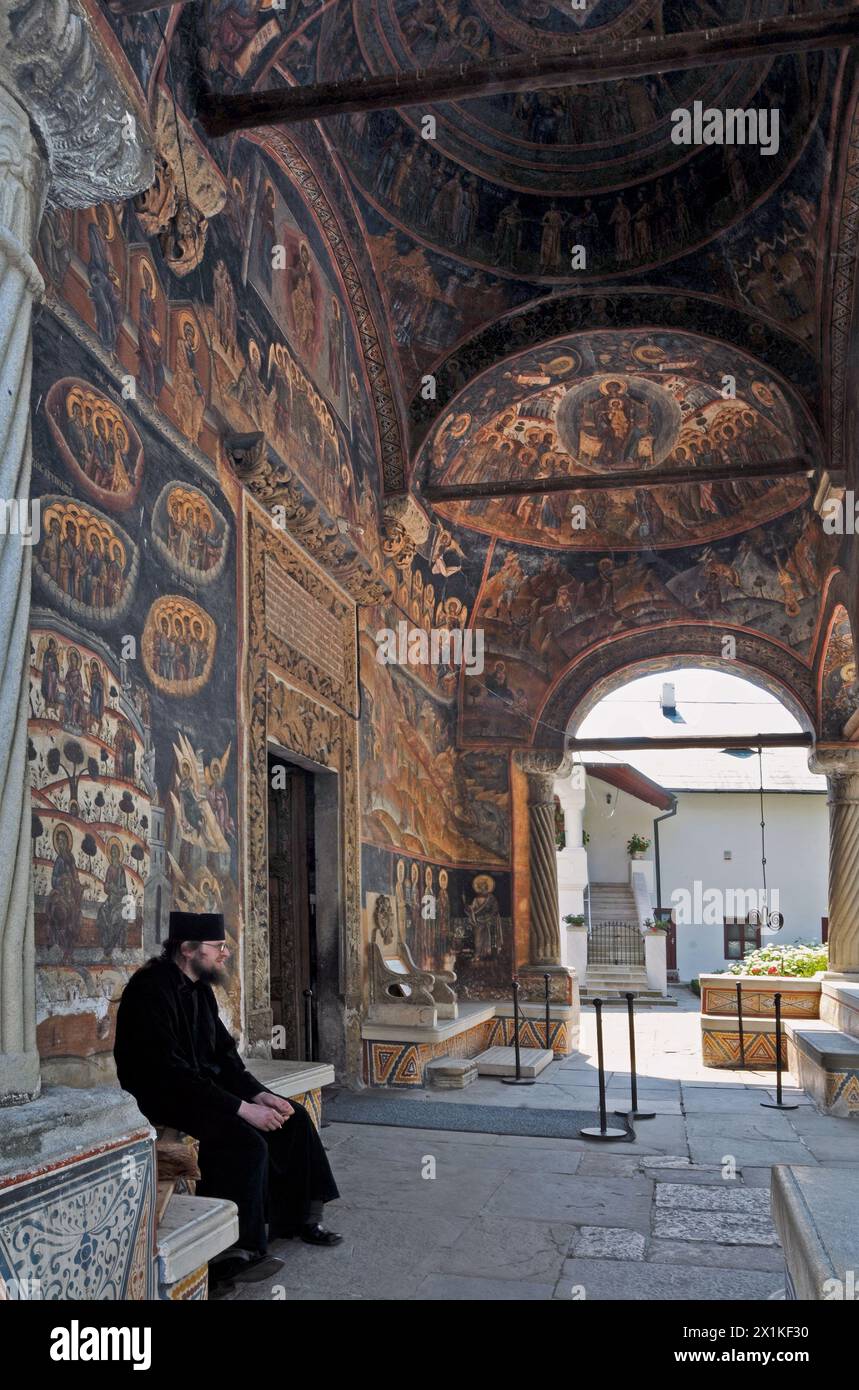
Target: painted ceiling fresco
pixel 495 185
pixel 540 615
pixel 608 401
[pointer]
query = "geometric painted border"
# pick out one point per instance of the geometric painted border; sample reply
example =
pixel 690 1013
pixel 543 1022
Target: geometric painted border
pixel 760 1003
pixel 403 1064
pixel 721 1048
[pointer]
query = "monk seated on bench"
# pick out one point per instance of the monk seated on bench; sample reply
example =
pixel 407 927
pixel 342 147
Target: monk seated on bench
pixel 179 1062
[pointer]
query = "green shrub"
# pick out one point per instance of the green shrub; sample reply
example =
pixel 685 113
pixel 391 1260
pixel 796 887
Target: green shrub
pixel 796 958
pixel 695 986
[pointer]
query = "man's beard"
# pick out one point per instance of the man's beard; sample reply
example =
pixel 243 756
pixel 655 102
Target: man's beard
pixel 210 974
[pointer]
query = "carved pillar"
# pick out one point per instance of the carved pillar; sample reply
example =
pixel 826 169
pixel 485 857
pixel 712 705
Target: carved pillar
pixel 54 81
pixel 541 769
pixel 841 768
pixel 22 190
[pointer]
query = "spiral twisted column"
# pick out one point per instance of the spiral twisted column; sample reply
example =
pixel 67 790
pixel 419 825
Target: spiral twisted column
pixel 22 190
pixel 841 768
pixel 541 769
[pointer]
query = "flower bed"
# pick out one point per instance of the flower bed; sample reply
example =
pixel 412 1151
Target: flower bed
pixel 796 959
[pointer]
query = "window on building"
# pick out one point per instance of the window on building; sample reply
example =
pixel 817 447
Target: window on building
pixel 740 937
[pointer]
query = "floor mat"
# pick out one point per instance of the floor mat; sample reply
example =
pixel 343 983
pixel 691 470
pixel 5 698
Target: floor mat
pixel 476 1119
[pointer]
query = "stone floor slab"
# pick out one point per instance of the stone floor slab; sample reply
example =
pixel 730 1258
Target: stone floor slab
pixel 608 1243
pixel 727 1197
pixel 699 1253
pixel 458 1288
pixel 754 1152
pixel 582 1201
pixel 723 1228
pixel 506 1248
pixel 628 1281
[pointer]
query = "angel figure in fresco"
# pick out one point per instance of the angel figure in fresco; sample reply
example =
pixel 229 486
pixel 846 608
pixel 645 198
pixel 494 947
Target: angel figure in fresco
pixel 200 892
pixel 444 546
pixel 195 822
pixel 217 796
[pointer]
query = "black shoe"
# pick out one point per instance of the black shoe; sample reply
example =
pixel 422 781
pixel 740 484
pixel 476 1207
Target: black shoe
pixel 315 1234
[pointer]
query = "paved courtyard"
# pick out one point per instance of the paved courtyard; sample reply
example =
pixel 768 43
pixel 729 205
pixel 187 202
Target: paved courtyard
pixel 681 1213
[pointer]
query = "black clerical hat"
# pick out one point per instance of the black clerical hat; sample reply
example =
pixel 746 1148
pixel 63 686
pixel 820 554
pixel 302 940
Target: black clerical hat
pixel 197 926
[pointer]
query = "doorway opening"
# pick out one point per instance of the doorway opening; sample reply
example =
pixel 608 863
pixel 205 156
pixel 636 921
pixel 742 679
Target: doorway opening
pixel 292 899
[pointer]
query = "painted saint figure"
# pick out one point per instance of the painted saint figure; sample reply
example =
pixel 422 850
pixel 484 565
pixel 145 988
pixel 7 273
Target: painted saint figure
pixel 110 921
pixel 484 918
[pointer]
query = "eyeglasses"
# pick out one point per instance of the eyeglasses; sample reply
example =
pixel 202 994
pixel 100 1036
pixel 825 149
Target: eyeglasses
pixel 220 946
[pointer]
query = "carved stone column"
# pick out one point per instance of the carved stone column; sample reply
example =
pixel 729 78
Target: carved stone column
pixel 541 769
pixel 67 131
pixel 841 768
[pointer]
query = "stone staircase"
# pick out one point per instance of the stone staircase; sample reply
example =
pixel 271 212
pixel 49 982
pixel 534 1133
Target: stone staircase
pixel 612 902
pixel 611 983
pixel 615 903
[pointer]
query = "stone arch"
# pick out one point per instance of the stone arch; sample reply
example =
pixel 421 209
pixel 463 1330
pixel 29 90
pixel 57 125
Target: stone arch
pixel 595 674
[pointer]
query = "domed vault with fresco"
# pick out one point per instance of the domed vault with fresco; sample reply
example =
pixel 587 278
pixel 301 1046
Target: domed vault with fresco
pixel 383 386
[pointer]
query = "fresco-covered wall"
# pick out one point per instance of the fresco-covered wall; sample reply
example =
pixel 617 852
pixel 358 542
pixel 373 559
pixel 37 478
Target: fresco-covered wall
pixel 207 307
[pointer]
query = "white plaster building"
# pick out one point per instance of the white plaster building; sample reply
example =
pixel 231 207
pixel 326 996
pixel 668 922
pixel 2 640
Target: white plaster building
pixel 707 804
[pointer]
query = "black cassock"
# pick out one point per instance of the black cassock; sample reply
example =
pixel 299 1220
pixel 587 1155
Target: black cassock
pixel 174 1055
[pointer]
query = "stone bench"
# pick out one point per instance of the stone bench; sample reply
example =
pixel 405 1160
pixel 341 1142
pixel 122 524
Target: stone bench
pixel 192 1231
pixel 816 1214
pixel 720 1042
pixel 301 1081
pixel 825 1062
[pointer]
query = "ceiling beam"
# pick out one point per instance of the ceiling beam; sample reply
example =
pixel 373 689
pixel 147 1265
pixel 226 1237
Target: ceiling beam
pixel 585 61
pixel 611 482
pixel 640 745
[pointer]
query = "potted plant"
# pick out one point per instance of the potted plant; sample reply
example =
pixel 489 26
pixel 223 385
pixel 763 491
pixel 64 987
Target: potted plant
pixel 637 846
pixel 574 919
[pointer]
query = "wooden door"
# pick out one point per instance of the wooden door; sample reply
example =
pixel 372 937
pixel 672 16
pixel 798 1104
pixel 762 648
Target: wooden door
pixel 291 868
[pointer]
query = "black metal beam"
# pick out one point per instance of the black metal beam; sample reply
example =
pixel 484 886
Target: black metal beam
pixel 640 745
pixel 585 61
pixel 612 482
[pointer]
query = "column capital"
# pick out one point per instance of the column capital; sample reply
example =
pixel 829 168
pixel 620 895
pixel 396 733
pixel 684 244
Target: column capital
pixel 545 762
pixel 94 130
pixel 841 760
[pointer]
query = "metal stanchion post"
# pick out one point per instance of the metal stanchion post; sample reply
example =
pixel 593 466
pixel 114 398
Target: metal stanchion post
pixel 518 1079
pixel 308 1024
pixel 634 1113
pixel 548 979
pixel 740 1023
pixel 778 1103
pixel 603 1132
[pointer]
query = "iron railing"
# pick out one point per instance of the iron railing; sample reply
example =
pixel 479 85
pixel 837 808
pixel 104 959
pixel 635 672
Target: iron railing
pixel 615 943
